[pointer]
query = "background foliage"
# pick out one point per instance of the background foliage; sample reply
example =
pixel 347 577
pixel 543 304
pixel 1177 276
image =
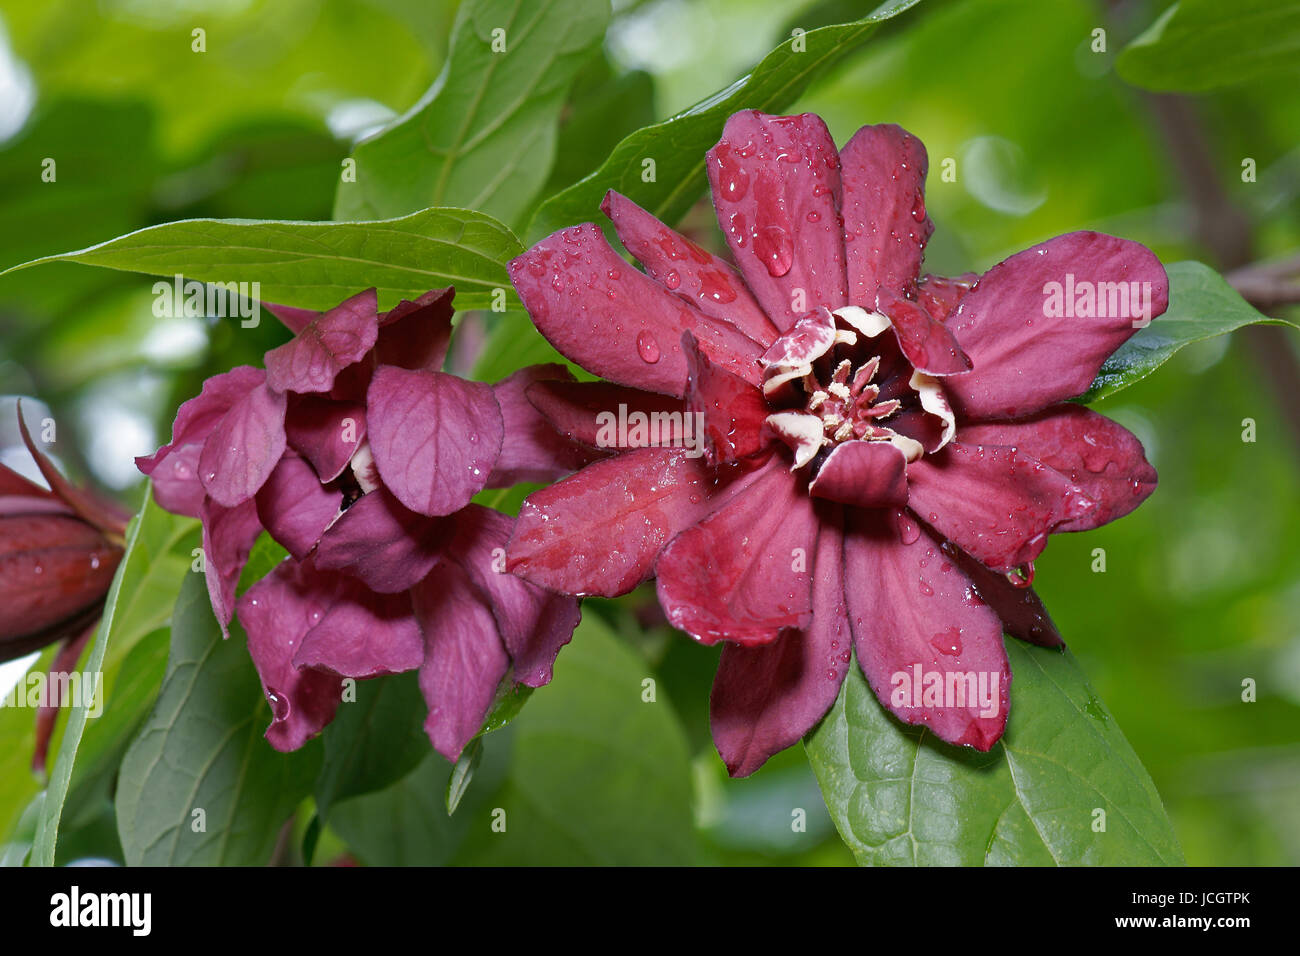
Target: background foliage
pixel 1202 584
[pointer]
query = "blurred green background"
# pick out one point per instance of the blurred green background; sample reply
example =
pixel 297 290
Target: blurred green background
pixel 1201 587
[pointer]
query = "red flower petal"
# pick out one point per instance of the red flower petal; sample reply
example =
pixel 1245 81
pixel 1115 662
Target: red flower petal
pixel 228 536
pixel 615 321
pixel 572 407
pixel 912 616
pixel 1022 612
pixel 534 623
pixel 277 612
pixel 732 410
pixel 885 223
pixel 174 467
pixel 386 545
pixel 1099 456
pixel 360 633
pixel 1028 353
pixel 766 698
pixel 415 335
pixel 940 296
pixel 336 339
pixel 533 449
pixel 324 431
pixel 776 190
pixel 464 659
pixel 681 266
pixel 244 447
pixel 995 502
pixel 600 530
pixel 743 573
pixel 435 437
pixel 928 344
pixel 294 507
pixel 869 474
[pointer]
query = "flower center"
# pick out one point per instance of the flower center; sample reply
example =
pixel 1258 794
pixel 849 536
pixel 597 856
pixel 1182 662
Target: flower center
pixel 835 378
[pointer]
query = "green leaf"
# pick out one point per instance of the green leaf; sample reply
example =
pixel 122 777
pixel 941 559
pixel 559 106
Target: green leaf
pixel 15 850
pixel 1201 306
pixel 1199 45
pixel 677 145
pixel 484 135
pixel 899 796
pixel 156 554
pixel 373 741
pixel 202 749
pixel 318 264
pixel 598 775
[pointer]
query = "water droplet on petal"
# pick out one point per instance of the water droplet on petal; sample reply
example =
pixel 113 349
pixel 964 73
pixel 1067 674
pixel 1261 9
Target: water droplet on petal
pixel 647 348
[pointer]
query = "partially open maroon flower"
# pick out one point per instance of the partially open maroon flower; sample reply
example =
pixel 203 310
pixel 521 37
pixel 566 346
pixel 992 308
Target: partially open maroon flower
pixel 886 452
pixel 360 456
pixel 59 549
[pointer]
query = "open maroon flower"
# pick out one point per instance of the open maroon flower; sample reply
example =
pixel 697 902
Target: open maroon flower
pixel 360 456
pixel 885 452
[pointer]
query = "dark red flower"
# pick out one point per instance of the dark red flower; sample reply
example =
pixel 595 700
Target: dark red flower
pixel 360 456
pixel 885 451
pixel 59 549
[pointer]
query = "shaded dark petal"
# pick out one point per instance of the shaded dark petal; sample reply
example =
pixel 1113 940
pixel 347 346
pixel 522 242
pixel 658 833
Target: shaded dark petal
pixel 415 335
pixel 765 698
pixel 324 431
pixel 910 608
pixel 1022 612
pixel 383 543
pixel 276 613
pixel 533 449
pixel 361 633
pixel 534 623
pixel 867 474
pixel 464 659
pixel 743 574
pixel 927 342
pixel 330 343
pixel 228 537
pixel 731 409
pixel 574 409
pixel 294 507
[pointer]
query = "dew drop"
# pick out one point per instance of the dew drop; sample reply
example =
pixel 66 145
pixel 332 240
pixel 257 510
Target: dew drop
pixel 775 249
pixel 279 705
pixel 647 348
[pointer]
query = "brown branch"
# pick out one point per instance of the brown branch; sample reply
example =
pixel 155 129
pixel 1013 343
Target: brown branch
pixel 1226 233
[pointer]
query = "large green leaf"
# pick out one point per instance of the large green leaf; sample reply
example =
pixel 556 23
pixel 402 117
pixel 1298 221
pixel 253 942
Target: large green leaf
pixel 373 741
pixel 677 145
pixel 598 776
pixel 899 796
pixel 484 135
pixel 138 603
pixel 595 776
pixel 202 749
pixel 318 264
pixel 1201 306
pixel 1199 45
